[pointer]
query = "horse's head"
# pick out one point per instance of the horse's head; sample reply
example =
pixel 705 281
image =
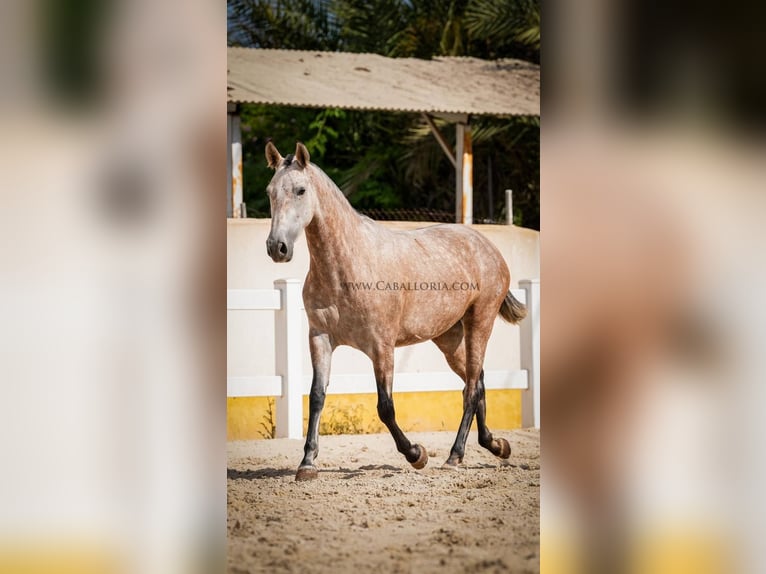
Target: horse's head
pixel 292 199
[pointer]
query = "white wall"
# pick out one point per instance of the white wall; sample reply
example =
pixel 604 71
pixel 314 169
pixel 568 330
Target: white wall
pixel 250 339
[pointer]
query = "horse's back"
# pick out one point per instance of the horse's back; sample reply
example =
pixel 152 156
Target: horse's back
pixel 456 255
pixel 460 242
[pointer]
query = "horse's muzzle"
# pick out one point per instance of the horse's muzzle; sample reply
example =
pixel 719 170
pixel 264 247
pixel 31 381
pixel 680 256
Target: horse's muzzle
pixel 279 251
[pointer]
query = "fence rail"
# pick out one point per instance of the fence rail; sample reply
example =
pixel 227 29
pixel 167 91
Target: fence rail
pixel 290 383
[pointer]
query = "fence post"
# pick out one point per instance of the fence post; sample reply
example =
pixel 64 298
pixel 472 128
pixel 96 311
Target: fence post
pixel 289 358
pixel 530 354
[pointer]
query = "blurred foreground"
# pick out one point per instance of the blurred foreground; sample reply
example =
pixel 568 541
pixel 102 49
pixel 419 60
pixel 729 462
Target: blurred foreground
pixel 113 288
pixel 653 176
pixel 112 267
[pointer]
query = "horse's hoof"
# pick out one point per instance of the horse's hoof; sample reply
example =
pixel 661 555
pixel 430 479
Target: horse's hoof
pixel 306 473
pixel 453 467
pixel 505 448
pixel 422 459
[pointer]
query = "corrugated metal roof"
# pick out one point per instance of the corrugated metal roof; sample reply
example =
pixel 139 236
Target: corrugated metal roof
pixel 373 82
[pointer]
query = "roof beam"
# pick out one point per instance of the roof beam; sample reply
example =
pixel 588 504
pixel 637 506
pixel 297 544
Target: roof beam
pixel 452 118
pixel 440 138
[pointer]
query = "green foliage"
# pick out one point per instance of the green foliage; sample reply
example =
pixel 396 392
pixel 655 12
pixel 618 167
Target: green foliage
pixel 353 147
pixel 287 24
pixel 269 421
pixel 505 23
pixel 324 132
pixel 367 25
pixel 260 122
pixel 390 160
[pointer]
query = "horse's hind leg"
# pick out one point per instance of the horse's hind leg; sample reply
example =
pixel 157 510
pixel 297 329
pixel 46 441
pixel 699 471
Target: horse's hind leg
pixel 321 354
pixel 383 363
pixel 452 344
pixel 477 327
pixel 497 446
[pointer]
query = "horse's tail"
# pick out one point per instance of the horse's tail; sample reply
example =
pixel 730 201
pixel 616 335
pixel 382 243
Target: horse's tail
pixel 512 310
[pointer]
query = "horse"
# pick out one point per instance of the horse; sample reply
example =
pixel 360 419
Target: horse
pixel 375 289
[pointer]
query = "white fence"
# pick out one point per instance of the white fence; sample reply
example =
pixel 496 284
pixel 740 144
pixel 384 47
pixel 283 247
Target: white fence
pixel 290 383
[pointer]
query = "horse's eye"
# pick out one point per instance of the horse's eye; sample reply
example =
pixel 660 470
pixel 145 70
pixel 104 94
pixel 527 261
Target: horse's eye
pixel 300 191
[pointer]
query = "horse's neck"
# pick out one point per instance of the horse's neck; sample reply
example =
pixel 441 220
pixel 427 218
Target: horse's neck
pixel 334 231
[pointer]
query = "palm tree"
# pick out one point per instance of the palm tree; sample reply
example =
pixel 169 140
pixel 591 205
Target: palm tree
pixel 389 160
pixel 505 25
pixel 291 24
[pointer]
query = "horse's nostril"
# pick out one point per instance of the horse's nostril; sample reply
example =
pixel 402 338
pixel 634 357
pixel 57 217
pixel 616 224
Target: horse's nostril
pixel 282 248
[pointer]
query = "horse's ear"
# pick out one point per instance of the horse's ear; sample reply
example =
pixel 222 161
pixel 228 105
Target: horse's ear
pixel 302 155
pixel 272 155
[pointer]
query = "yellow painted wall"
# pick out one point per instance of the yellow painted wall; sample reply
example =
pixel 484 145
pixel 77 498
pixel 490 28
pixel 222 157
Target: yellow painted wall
pixel 253 417
pixel 44 556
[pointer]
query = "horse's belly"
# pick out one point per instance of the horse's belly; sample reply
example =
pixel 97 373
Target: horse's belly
pixel 427 318
pixel 406 339
pixel 403 317
pixel 410 336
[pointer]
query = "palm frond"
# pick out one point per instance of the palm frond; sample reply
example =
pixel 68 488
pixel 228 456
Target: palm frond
pixel 504 21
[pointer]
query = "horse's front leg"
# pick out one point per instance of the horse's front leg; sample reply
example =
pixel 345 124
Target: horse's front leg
pixel 321 354
pixel 383 363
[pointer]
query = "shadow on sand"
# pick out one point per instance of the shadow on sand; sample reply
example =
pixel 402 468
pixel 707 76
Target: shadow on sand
pixel 261 473
pixel 233 474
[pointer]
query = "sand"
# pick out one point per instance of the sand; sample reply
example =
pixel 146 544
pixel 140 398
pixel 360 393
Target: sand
pixel 369 511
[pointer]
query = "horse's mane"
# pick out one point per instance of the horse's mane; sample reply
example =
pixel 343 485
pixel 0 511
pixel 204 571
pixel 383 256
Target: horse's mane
pixel 330 185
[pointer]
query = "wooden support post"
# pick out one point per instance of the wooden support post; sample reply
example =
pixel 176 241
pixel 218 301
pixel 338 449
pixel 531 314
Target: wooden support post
pixel 236 167
pixel 464 175
pixel 530 354
pixel 288 331
pixel 229 207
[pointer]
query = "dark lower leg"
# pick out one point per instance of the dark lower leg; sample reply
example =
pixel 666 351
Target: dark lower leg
pixel 316 404
pixel 387 415
pixel 477 325
pixel 321 353
pixel 470 401
pixel 498 447
pixel 485 436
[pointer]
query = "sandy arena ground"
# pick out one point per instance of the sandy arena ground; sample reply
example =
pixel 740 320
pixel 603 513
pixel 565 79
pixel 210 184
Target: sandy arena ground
pixel 369 511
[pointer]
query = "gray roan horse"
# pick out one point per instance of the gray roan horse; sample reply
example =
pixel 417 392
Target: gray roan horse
pixel 444 283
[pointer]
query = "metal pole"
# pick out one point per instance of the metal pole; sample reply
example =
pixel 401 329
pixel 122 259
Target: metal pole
pixel 459 141
pixel 490 199
pixel 509 206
